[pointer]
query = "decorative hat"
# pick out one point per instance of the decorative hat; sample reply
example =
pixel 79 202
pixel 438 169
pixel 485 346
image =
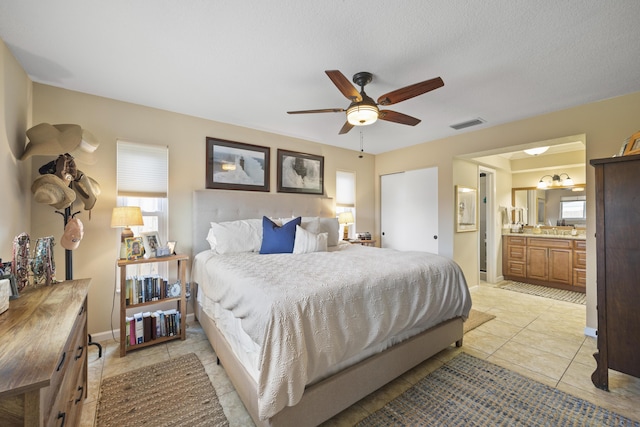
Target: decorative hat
pixel 51 140
pixel 66 168
pixel 73 233
pixel 87 190
pixel 51 190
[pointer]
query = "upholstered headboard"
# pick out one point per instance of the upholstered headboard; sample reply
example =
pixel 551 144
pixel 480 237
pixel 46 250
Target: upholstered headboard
pixel 226 205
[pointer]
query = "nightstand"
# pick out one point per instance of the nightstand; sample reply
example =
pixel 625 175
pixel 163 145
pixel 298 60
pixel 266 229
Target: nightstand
pixel 363 242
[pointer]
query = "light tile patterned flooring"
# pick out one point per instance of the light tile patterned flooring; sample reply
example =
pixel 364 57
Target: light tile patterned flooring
pixel 537 337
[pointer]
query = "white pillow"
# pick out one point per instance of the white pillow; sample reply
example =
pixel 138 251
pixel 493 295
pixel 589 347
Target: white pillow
pixel 307 242
pixel 235 236
pixel 332 228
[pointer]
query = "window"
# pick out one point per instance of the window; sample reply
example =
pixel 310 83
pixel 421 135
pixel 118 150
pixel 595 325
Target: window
pixel 143 180
pixel 573 208
pixel 346 198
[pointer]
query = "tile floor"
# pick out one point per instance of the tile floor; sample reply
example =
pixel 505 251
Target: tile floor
pixel 540 338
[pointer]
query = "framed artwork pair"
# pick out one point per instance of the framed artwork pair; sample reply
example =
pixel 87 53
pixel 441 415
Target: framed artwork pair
pixel 238 166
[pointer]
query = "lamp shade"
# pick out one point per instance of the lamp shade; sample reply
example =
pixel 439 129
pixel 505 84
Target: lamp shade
pixel 345 218
pixel 126 216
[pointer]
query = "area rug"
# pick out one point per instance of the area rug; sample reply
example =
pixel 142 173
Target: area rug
pixel 172 393
pixel 544 291
pixel 476 318
pixel 468 391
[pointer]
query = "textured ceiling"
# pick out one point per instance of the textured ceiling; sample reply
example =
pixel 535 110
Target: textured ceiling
pixel 248 62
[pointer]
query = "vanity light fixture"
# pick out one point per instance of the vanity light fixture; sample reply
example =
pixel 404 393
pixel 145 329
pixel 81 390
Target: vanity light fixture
pixel 556 180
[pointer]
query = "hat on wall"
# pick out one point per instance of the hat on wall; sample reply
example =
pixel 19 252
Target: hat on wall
pixel 53 191
pixel 87 190
pixel 51 140
pixel 73 233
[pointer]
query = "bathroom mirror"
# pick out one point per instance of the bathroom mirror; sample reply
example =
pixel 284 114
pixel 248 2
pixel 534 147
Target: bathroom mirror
pixel 543 207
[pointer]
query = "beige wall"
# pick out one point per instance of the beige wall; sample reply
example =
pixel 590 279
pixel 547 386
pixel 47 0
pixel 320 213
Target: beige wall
pixel 15 107
pixel 606 124
pixel 185 136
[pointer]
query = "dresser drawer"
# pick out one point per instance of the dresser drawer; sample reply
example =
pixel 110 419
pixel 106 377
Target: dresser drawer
pixel 517 253
pixel 516 240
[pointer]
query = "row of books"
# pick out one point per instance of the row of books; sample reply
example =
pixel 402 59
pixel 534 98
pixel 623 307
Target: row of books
pixel 147 326
pixel 145 289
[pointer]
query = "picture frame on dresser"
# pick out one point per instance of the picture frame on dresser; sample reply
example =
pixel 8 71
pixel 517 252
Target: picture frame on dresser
pixel 234 165
pixel 632 147
pixel 300 173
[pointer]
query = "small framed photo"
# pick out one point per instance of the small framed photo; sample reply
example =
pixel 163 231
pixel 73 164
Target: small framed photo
pixel 633 146
pixel 135 247
pixel 151 241
pixel 466 209
pixel 172 247
pixel 300 173
pixel 237 166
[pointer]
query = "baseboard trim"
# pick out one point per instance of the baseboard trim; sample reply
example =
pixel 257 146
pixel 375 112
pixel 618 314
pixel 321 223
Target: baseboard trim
pixel 115 334
pixel 591 332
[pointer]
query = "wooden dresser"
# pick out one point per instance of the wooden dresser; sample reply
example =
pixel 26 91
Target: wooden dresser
pixel 618 264
pixel 43 356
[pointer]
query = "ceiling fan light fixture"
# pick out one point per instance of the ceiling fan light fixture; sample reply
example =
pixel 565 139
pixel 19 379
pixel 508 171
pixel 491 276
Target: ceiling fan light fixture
pixel 362 114
pixel 536 151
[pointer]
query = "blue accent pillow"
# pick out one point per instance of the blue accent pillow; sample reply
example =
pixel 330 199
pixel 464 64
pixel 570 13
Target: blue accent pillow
pixel 276 239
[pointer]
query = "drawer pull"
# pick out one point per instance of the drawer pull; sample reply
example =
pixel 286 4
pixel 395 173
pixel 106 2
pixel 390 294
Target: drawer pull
pixel 81 390
pixel 64 355
pixel 81 310
pixel 78 356
pixel 62 415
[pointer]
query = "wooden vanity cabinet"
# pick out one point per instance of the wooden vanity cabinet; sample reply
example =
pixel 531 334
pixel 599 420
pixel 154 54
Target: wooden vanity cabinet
pixel 540 261
pixel 618 267
pixel 580 264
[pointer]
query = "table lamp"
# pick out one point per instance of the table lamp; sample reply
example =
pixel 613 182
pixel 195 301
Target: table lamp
pixel 345 218
pixel 126 216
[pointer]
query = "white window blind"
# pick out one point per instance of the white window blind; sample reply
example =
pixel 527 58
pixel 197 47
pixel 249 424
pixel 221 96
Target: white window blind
pixel 345 189
pixel 143 169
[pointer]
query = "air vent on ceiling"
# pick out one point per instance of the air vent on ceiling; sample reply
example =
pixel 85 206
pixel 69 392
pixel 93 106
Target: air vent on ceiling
pixel 467 124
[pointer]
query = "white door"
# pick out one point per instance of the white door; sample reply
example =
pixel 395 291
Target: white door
pixel 409 210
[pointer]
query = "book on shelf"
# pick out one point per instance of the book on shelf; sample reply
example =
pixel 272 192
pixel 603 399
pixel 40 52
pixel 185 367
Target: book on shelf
pixel 139 289
pixel 148 326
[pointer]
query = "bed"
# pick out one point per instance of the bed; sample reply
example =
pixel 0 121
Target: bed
pixel 297 342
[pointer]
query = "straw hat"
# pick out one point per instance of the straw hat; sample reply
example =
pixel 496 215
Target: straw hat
pixel 50 140
pixel 53 191
pixel 73 233
pixel 87 190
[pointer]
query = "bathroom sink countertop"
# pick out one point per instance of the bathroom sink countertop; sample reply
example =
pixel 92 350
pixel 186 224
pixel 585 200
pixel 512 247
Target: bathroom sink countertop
pixel 548 236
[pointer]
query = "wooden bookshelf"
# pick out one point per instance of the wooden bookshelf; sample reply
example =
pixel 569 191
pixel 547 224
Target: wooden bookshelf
pixel 144 306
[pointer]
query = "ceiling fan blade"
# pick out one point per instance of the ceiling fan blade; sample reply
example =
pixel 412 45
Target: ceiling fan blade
pixel 326 110
pixel 342 83
pixel 394 116
pixel 409 92
pixel 346 128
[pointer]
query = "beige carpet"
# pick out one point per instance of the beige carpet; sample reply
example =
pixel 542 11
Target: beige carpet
pixel 476 318
pixel 468 391
pixel 172 393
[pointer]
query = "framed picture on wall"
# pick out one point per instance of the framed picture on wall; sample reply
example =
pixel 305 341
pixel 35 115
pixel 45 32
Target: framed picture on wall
pixel 300 173
pixel 466 209
pixel 237 166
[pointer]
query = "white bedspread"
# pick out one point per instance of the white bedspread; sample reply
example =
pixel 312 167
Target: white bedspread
pixel 310 312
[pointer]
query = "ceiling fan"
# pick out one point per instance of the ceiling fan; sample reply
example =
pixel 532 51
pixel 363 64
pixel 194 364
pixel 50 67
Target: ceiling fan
pixel 363 110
